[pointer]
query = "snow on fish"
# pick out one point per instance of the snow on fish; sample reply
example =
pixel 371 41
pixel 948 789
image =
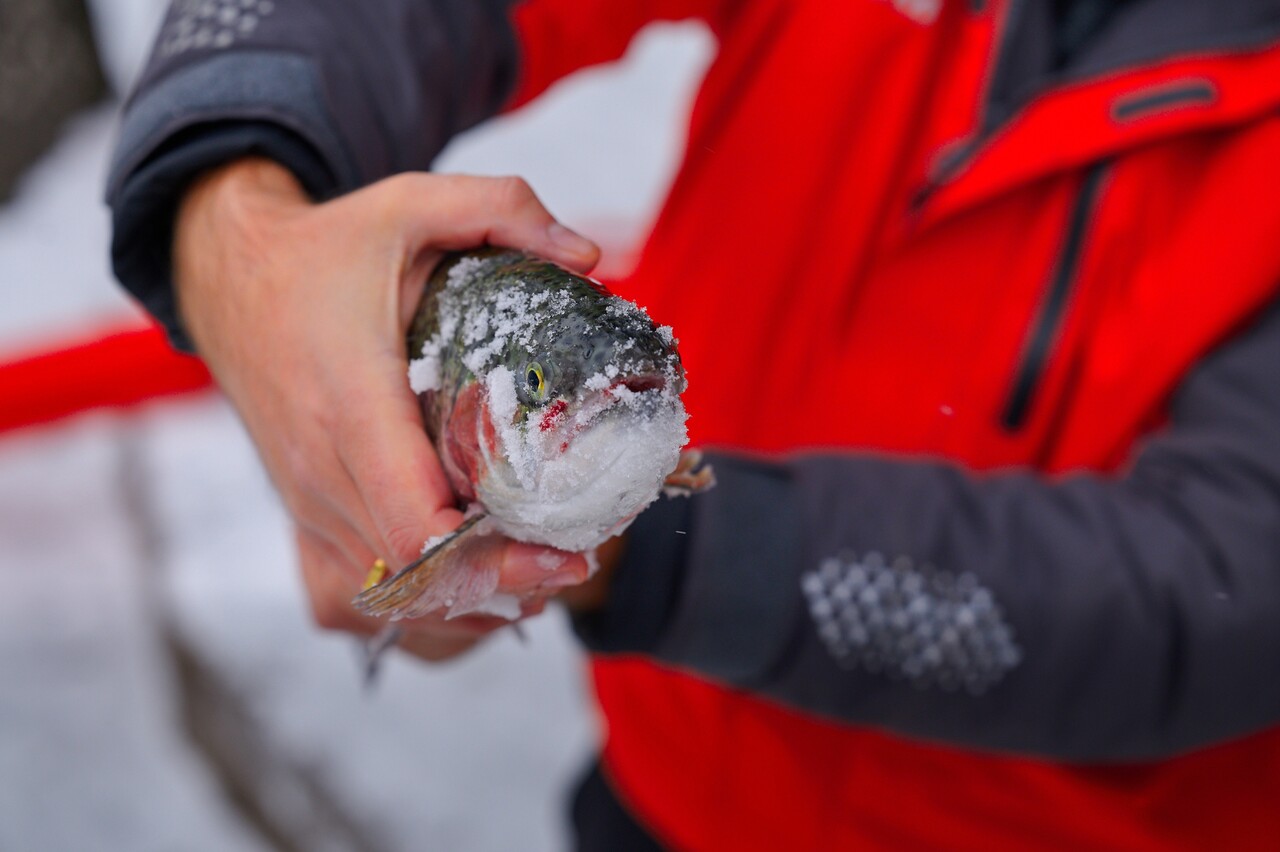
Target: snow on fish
pixel 555 411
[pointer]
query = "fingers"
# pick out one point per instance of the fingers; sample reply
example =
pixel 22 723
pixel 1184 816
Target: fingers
pixel 329 587
pixel 461 211
pixel 330 592
pixel 533 569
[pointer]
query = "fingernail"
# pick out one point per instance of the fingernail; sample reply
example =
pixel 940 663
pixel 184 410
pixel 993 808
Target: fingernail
pixel 560 581
pixel 570 241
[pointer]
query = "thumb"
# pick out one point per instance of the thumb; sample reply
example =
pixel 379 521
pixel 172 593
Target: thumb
pixel 462 211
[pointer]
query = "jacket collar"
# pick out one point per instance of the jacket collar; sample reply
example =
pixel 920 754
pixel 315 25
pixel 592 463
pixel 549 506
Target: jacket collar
pixel 1154 68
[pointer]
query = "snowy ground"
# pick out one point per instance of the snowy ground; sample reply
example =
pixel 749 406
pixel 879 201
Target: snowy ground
pixel 163 688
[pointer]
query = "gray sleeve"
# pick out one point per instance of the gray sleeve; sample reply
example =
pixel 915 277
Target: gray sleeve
pixel 343 93
pixel 374 88
pixel 1082 618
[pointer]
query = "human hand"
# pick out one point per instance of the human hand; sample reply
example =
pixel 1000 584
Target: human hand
pixel 300 311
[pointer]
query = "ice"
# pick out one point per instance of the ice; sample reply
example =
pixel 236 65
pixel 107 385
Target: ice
pixel 593 562
pixel 501 605
pixel 433 542
pixel 572 497
pixel 500 385
pixel 549 560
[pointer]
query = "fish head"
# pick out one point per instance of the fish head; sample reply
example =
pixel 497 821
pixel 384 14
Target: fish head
pixel 584 422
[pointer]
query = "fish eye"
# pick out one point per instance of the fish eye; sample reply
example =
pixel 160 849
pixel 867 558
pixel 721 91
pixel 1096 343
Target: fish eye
pixel 535 381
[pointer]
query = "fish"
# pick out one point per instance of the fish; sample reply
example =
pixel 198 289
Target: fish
pixel 555 410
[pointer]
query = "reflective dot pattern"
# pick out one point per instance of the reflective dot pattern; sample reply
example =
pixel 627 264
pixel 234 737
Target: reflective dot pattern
pixel 929 627
pixel 211 24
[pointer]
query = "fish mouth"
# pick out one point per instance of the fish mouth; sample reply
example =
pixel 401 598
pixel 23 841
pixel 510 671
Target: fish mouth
pixel 642 394
pixel 579 469
pixel 640 383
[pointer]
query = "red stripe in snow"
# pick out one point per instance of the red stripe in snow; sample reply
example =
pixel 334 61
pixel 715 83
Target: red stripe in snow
pixel 114 368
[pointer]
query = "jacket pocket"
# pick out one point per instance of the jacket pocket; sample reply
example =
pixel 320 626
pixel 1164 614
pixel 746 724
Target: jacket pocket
pixel 1047 326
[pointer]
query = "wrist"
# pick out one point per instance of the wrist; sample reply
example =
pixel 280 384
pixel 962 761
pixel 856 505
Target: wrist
pixel 225 225
pixel 248 191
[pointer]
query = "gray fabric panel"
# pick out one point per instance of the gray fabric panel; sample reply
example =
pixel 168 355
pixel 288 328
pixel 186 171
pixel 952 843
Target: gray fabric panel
pixel 1139 32
pixel 397 77
pixel 143 211
pixel 646 583
pixel 738 607
pixel 273 87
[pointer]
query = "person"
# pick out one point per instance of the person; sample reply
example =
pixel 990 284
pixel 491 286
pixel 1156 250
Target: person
pixel 979 305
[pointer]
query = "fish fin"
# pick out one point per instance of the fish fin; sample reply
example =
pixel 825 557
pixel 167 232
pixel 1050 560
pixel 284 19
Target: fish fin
pixel 459 572
pixel 690 477
pixel 373 650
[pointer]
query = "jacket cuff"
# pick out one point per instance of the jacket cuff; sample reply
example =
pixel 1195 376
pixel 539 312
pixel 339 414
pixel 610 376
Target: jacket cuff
pixel 739 608
pixel 282 90
pixel 706 582
pixel 646 583
pixel 196 118
pixel 144 207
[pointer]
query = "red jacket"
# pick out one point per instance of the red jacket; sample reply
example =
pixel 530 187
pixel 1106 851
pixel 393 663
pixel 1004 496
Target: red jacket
pixel 970 292
pixel 835 284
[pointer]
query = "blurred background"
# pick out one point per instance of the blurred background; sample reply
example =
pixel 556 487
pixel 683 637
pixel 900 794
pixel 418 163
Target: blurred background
pixel 162 685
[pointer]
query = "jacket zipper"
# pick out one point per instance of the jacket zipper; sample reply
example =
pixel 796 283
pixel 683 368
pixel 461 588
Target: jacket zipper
pixel 1048 325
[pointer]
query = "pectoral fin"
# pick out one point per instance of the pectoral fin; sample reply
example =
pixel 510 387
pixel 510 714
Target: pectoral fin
pixel 456 575
pixel 690 477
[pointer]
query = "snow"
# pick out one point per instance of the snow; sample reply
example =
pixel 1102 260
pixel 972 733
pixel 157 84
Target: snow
pixel 520 459
pixel 499 604
pixel 574 498
pixel 470 756
pixel 433 542
pixel 54 243
pixel 92 755
pixel 424 372
pixel 125 29
pixel 549 560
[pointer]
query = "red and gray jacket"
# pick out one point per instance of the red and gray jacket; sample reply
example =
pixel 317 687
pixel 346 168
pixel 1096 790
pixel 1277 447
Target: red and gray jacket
pixel 978 302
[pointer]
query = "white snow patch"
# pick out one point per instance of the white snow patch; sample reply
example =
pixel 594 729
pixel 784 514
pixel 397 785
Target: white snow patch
pixel 549 560
pixel 434 542
pixel 574 492
pixel 499 604
pixel 424 374
pixel 500 385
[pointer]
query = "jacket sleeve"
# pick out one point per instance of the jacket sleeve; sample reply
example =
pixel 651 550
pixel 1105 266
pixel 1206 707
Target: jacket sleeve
pixel 343 93
pixel 1081 618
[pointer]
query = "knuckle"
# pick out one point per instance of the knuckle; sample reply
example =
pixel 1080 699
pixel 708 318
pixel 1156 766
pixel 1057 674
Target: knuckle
pixel 404 540
pixel 300 469
pixel 402 191
pixel 515 192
